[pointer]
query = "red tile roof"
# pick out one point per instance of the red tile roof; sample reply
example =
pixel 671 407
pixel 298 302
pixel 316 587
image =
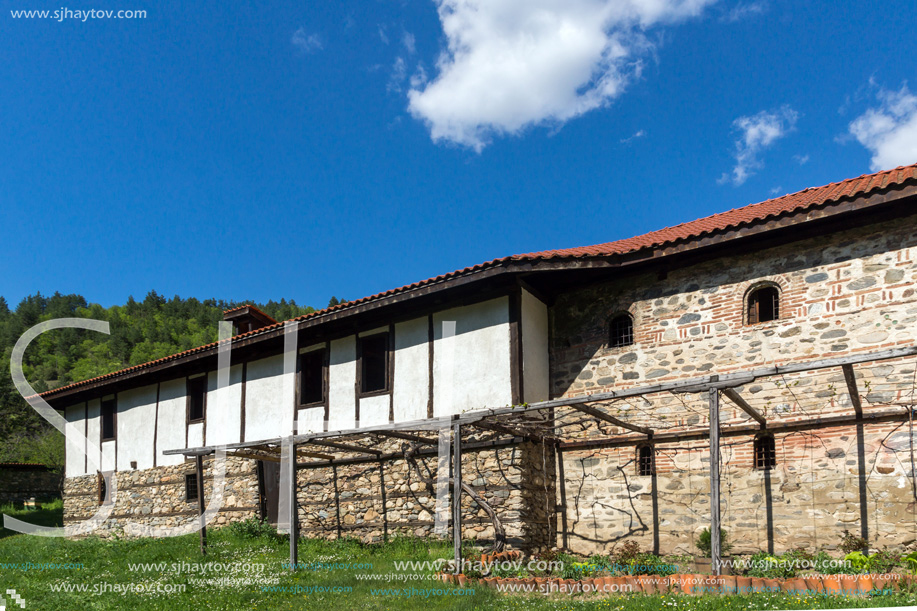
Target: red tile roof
pixel 733 219
pixel 250 308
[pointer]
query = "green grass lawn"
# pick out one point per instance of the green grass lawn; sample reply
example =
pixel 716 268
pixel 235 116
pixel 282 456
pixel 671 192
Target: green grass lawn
pixel 253 577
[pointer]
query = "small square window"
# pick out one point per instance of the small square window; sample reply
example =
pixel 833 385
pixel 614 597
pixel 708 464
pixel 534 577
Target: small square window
pixel 621 331
pixel 765 453
pixel 191 487
pixel 197 398
pixel 374 363
pixel 646 463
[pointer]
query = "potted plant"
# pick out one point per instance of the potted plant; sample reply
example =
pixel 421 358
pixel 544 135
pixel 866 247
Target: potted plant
pixel 702 563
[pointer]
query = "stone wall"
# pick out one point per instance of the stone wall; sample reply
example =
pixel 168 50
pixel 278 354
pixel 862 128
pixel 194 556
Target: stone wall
pixel 840 294
pixel 19 483
pixel 370 501
pixel 156 497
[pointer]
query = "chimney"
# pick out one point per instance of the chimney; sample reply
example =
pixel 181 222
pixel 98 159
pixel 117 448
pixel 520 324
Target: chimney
pixel 247 318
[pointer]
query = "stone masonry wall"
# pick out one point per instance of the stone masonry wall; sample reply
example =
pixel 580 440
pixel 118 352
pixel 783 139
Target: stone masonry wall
pixel 19 484
pixel 156 497
pixel 840 294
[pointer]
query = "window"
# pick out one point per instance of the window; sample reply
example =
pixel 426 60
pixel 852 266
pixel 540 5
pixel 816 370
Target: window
pixel 312 377
pixel 109 411
pixel 102 487
pixel 197 398
pixel 646 463
pixel 763 305
pixel 621 331
pixel 765 452
pixel 374 363
pixel 191 487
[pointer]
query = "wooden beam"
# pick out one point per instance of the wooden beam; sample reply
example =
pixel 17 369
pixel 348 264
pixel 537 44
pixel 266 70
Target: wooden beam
pixel 595 413
pixel 457 495
pixel 506 430
pixel 257 456
pixel 344 446
pixel 405 436
pixel 714 398
pixel 315 455
pixel 736 398
pixel 851 379
pixel 294 518
pixel 199 464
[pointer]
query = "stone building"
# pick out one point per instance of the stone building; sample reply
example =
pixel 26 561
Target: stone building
pixel 826 273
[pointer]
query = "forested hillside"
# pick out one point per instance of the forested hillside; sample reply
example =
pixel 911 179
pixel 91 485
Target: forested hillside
pixel 141 331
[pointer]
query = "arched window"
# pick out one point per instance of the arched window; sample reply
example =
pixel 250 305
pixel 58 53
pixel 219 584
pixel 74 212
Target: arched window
pixel 646 460
pixel 621 331
pixel 765 452
pixel 763 304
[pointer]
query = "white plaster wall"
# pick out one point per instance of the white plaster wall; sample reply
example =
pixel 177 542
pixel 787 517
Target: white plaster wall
pixel 94 434
pixel 412 375
pixel 535 365
pixel 342 379
pixel 311 419
pixel 224 408
pixel 171 425
pixel 195 435
pixel 136 425
pixel 108 455
pixel 267 415
pixel 76 422
pixel 374 410
pixel 471 370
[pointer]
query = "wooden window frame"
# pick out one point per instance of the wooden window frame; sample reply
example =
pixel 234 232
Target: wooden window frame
pixel 191 480
pixel 640 461
pixel 326 363
pixel 753 305
pixel 757 449
pixel 114 419
pixel 102 489
pixel 188 382
pixel 611 323
pixel 389 360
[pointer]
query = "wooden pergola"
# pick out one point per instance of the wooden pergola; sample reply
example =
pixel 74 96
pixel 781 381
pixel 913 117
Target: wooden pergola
pixel 609 419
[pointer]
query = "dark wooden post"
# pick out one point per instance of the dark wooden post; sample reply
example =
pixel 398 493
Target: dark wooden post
pixel 199 463
pixel 457 495
pixel 294 518
pixel 715 481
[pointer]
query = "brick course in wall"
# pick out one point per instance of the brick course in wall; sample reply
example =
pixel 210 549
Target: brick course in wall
pixel 841 293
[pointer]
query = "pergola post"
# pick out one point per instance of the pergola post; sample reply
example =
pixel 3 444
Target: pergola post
pixel 457 495
pixel 715 481
pixel 294 519
pixel 199 464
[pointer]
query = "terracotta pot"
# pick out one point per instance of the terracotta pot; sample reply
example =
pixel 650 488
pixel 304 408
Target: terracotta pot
pixel 633 583
pixel 619 584
pixel 758 584
pixel 849 584
pixel 730 584
pixel 786 585
pixel 814 584
pixel 743 585
pixel 864 584
pixel 490 581
pixel 772 585
pixel 831 584
pixel 799 586
pixel 645 584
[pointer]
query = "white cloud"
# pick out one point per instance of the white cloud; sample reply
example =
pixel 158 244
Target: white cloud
pixel 305 42
pixel 629 139
pixel 889 130
pixel 510 64
pixel 801 159
pixel 743 10
pixel 383 36
pixel 397 76
pixel 757 133
pixel 776 190
pixel 409 43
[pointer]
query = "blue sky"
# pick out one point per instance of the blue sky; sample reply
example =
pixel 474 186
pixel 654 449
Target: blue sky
pixel 303 150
